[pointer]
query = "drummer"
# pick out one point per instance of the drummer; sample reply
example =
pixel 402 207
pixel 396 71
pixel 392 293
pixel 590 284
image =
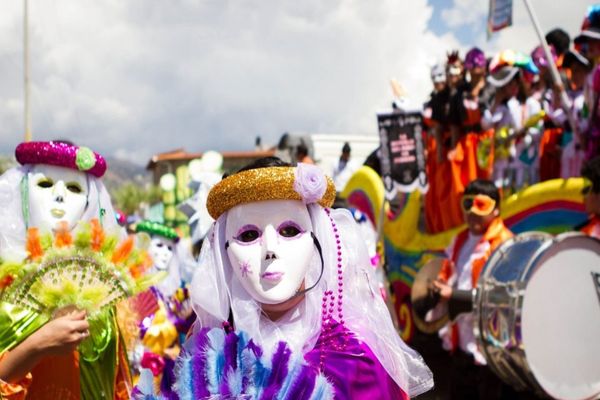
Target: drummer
pixel 466 257
pixel 591 193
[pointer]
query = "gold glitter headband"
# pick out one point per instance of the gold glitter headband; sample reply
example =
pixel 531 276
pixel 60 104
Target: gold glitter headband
pixel 271 183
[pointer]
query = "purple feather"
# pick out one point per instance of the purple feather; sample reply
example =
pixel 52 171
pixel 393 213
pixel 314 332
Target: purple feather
pixel 303 384
pixel 168 379
pixel 230 362
pixel 197 350
pixel 255 348
pixel 279 370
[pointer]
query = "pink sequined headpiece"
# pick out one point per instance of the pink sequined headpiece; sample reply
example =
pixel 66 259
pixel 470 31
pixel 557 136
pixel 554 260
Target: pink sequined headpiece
pixel 61 155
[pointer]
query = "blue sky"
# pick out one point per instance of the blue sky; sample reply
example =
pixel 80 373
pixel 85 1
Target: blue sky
pixel 437 23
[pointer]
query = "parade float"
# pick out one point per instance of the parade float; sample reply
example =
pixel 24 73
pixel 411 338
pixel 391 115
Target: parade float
pixel 553 206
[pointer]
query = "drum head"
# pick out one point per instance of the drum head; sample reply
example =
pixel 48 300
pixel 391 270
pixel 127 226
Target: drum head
pixel 421 301
pixel 561 319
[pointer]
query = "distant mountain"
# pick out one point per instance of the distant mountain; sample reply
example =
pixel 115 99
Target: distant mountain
pixel 6 162
pixel 122 171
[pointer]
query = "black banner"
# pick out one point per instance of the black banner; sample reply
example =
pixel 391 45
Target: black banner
pixel 403 156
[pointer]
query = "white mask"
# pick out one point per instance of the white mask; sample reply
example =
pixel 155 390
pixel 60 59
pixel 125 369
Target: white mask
pixel 56 194
pixel 270 248
pixel 161 251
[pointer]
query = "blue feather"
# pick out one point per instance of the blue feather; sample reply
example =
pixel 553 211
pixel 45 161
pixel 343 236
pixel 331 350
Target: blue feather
pixel 145 387
pixel 184 385
pixel 248 363
pixel 214 359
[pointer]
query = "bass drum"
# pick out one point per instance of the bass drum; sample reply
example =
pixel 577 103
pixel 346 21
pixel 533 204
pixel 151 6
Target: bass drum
pixel 537 314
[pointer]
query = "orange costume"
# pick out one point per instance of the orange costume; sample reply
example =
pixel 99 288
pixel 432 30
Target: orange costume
pixel 592 228
pixel 461 165
pixel 496 233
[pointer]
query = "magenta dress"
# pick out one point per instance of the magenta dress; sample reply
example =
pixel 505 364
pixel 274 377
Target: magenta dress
pixel 351 367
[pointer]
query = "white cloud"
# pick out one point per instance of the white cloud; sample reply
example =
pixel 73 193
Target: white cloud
pixel 465 12
pixel 145 76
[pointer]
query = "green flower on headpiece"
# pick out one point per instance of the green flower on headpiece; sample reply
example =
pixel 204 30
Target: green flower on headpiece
pixel 85 159
pixel 154 228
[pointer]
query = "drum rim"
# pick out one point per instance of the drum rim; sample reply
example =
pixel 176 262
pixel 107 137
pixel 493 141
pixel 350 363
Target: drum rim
pixel 496 254
pixel 546 240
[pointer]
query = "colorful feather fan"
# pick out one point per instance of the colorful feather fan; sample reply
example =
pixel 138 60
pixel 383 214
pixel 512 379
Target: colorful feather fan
pixel 87 270
pixel 219 365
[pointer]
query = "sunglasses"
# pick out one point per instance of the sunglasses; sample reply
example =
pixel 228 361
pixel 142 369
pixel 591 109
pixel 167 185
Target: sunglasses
pixel 478 204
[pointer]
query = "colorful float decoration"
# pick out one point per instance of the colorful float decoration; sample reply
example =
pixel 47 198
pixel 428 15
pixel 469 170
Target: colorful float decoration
pixel 553 206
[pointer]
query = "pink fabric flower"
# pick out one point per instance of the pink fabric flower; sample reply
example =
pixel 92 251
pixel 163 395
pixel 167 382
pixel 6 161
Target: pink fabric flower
pixel 153 362
pixel 310 183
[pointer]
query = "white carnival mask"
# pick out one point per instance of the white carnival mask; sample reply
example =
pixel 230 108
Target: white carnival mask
pixel 270 247
pixel 161 251
pixel 56 194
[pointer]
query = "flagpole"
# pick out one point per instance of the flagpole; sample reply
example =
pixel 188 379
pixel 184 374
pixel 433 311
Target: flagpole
pixel 565 101
pixel 26 70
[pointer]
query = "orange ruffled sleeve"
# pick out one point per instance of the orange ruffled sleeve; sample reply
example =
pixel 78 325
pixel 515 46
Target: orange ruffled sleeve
pixel 15 391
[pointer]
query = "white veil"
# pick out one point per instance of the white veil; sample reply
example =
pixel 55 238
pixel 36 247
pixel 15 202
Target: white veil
pixel 215 290
pixel 14 201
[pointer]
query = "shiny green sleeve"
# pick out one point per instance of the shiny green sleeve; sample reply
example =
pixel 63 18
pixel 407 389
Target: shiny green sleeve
pixel 16 324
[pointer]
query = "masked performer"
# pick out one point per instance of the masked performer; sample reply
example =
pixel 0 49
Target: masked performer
pixel 55 210
pixel 294 279
pixel 170 315
pixel 467 257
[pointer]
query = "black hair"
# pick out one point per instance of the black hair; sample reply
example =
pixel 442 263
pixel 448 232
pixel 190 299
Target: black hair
pixel 486 187
pixel 283 141
pixel 591 171
pixel 302 149
pixel 265 162
pixel 560 39
pixel 373 161
pixel 346 148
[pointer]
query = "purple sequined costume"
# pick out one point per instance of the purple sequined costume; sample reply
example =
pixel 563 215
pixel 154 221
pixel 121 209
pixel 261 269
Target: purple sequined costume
pixel 352 368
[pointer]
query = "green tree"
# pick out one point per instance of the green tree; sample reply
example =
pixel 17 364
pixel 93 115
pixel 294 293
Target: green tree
pixel 129 196
pixel 6 163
